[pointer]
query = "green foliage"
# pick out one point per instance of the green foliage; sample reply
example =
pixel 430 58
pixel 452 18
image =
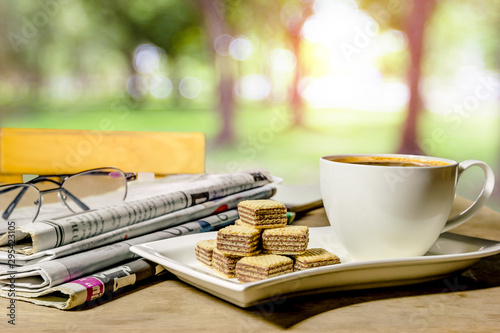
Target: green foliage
pixel 72 70
pixel 463 33
pixel 389 14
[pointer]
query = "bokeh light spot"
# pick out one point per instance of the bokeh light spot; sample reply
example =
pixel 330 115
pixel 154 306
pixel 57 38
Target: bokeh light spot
pixel 190 87
pixel 146 58
pixel 137 86
pixel 160 86
pixel 221 44
pixel 283 60
pixel 291 15
pixel 254 87
pixel 240 48
pixel 394 41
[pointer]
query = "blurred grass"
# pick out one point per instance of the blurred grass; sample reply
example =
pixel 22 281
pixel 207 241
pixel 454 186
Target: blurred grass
pixel 264 137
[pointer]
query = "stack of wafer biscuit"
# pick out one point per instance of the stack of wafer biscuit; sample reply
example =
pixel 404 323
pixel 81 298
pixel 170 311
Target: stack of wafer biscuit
pixel 316 257
pixel 260 245
pixel 290 240
pixel 204 251
pixel 262 214
pixel 224 264
pixel 261 267
pixel 238 241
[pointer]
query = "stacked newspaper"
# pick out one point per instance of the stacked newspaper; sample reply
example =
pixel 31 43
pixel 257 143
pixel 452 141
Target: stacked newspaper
pixel 67 261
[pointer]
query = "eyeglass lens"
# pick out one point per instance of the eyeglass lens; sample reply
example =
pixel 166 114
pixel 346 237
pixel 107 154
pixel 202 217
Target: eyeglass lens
pixel 19 203
pixel 93 189
pixel 87 190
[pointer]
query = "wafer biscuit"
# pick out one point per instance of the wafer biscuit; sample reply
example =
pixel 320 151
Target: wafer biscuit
pixel 243 224
pixel 262 214
pixel 289 240
pixel 204 250
pixel 261 267
pixel 238 222
pixel 224 265
pixel 315 258
pixel 238 241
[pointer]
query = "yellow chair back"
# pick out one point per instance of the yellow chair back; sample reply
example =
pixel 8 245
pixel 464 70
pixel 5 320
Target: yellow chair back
pixel 56 151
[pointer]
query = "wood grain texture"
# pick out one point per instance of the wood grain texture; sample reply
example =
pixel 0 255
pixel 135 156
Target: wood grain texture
pixel 467 302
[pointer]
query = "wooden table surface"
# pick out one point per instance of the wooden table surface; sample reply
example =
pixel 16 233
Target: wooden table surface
pixel 467 302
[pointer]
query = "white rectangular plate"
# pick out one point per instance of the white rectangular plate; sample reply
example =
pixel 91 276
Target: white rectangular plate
pixel 450 253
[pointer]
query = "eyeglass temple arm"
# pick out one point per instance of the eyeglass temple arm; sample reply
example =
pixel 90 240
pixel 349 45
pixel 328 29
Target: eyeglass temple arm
pixel 65 191
pixel 18 198
pixel 14 203
pixel 20 195
pixel 130 176
pixel 75 199
pixel 8 189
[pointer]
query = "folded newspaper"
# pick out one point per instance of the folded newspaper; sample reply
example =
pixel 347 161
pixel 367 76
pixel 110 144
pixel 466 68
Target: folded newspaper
pixel 53 233
pixel 48 274
pixel 159 223
pixel 191 205
pixel 110 281
pixel 96 287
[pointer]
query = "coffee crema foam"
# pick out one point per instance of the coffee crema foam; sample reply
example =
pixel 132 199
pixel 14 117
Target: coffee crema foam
pixel 389 161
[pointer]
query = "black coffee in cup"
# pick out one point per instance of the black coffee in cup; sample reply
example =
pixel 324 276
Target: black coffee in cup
pixel 389 161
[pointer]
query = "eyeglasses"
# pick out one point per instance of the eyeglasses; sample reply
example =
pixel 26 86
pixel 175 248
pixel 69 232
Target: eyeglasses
pixel 79 192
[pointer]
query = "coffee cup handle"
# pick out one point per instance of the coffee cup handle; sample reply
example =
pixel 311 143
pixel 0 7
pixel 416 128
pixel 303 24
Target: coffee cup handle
pixel 489 183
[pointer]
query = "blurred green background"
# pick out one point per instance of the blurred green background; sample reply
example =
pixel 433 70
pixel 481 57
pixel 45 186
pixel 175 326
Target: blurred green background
pixel 274 84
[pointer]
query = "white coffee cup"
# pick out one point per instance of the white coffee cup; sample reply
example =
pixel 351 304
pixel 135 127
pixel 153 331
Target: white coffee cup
pixel 386 212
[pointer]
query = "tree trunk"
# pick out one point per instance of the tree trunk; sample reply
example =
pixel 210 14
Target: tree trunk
pixel 215 23
pixel 226 105
pixel 421 10
pixel 496 190
pixel 296 100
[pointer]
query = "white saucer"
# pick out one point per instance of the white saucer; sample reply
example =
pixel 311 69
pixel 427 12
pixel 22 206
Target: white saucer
pixel 450 253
